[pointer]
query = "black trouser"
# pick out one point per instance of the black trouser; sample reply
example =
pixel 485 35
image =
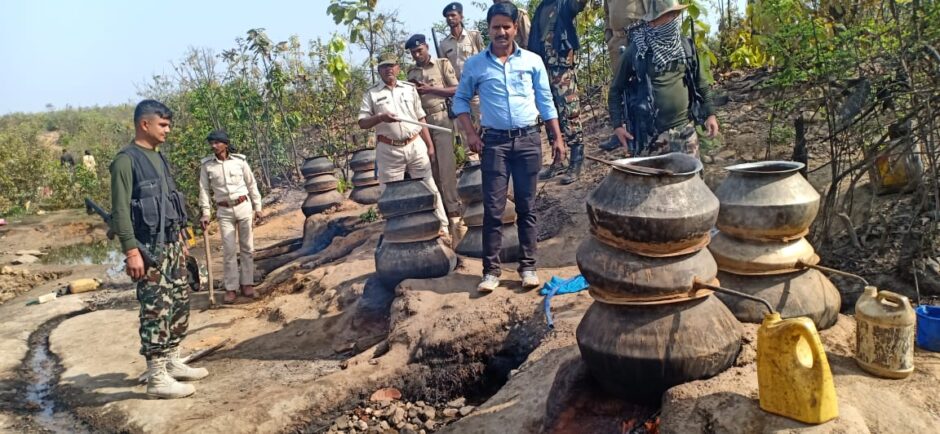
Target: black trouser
pixel 520 157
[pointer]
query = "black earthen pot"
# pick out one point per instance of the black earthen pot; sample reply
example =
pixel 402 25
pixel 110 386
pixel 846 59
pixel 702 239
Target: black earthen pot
pixel 362 160
pixel 320 183
pixel 472 243
pixel 395 262
pixel 316 166
pixel 470 184
pixel 473 215
pixel 620 277
pixel 637 352
pixel 654 215
pixel 409 228
pixel 365 179
pixel 319 202
pixel 803 293
pixel 366 195
pixel 406 197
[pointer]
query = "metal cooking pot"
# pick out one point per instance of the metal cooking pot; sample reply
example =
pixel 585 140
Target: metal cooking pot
pixel 316 166
pixel 658 215
pixel 768 200
pixel 747 257
pixel 620 277
pixel 319 202
pixel 406 197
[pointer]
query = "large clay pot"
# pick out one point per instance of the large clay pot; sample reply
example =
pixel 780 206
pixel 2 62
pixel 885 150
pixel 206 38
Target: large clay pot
pixel 408 228
pixel 472 243
pixel 320 183
pixel 365 179
pixel 470 184
pixel 654 215
pixel 317 203
pixel 395 262
pixel 363 160
pixel 638 352
pixel 405 197
pixel 804 293
pixel 768 200
pixel 366 195
pixel 747 257
pixel 316 166
pixel 620 277
pixel 473 215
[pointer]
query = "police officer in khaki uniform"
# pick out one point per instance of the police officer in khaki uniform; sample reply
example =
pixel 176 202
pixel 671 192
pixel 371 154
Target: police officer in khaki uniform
pixel 401 147
pixel 459 45
pixel 436 81
pixel 229 180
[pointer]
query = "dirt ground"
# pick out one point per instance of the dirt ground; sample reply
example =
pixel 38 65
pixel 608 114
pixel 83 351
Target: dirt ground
pixel 326 335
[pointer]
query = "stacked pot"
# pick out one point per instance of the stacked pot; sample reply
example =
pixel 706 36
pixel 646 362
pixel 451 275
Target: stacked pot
pixel 651 327
pixel 766 211
pixel 470 190
pixel 410 247
pixel 366 188
pixel 320 184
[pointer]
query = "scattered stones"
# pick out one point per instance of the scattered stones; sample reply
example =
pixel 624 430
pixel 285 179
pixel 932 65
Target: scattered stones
pixel 384 413
pixel 25 260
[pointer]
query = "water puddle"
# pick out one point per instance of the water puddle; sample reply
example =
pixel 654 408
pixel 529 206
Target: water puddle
pixel 42 376
pixel 93 253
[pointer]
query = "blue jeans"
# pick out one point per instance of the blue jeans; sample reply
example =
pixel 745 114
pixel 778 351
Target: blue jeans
pixel 520 158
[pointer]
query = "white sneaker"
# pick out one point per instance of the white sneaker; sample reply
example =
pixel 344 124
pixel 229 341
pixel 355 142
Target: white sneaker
pixel 530 280
pixel 488 284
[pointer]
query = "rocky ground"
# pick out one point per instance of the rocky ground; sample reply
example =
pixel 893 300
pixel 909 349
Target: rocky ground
pixel 328 349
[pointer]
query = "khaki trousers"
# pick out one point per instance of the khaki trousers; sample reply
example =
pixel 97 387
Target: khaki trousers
pixel 444 164
pixel 235 225
pixel 394 161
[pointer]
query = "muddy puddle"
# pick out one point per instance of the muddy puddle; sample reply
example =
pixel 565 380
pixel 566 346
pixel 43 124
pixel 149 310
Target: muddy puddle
pixel 42 372
pixel 94 253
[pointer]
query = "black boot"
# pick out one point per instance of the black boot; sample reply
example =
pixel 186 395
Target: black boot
pixel 574 165
pixel 552 171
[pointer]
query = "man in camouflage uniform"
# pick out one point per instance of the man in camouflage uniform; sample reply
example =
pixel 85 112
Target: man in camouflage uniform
pixel 148 217
pixel 436 81
pixel 523 25
pixel 618 16
pixel 554 37
pixel 664 86
pixel 459 45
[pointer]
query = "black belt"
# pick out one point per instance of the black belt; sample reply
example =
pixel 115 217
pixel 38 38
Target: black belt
pixel 513 133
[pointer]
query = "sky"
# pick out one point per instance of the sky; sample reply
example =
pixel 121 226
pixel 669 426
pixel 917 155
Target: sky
pixel 97 52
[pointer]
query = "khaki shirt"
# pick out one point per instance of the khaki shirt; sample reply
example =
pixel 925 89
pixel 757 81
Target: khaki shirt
pixel 459 49
pixel 523 24
pixel 227 180
pixel 402 101
pixel 626 12
pixel 89 162
pixel 435 73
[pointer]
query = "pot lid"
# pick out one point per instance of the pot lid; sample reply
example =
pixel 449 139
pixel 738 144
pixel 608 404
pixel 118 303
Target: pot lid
pixel 767 167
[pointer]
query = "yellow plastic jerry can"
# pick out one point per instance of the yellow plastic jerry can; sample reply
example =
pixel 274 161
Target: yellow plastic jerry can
pixel 83 285
pixel 793 376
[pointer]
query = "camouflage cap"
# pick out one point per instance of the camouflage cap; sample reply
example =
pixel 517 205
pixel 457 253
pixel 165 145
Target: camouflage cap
pixel 388 58
pixel 658 8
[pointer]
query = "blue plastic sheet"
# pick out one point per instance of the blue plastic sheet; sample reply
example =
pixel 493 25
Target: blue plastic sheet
pixel 557 285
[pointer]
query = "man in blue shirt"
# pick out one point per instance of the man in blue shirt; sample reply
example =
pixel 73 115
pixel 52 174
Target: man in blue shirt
pixel 514 90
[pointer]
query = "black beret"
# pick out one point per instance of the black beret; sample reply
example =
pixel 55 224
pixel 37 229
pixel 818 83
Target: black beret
pixel 414 41
pixel 453 7
pixel 505 9
pixel 218 136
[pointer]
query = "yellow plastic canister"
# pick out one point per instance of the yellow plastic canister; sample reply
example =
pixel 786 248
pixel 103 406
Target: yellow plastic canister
pixel 793 375
pixel 885 328
pixel 83 285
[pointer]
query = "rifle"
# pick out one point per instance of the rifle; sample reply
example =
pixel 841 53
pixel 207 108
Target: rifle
pixel 447 101
pixel 92 208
